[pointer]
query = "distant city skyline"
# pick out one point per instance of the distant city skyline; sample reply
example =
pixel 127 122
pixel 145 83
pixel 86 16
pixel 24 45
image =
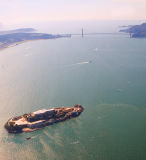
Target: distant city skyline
pixel 21 11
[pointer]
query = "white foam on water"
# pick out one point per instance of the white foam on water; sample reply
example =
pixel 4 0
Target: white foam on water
pixel 80 63
pixel 96 49
pixel 83 63
pixel 27 48
pixel 76 142
pixel 27 54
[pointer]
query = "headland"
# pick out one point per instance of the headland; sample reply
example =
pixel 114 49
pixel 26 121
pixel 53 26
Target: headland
pixel 136 31
pixel 15 37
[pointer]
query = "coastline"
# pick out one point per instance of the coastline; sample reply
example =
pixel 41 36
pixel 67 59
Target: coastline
pixel 13 44
pixel 21 42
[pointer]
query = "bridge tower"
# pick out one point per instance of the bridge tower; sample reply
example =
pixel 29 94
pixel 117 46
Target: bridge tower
pixel 82 33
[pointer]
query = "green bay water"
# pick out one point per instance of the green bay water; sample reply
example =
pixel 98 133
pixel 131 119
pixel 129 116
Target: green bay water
pixel 104 73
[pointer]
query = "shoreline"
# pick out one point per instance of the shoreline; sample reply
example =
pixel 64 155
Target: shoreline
pixel 21 42
pixel 15 44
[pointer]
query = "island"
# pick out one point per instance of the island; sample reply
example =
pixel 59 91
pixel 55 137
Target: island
pixel 41 118
pixel 15 37
pixel 136 31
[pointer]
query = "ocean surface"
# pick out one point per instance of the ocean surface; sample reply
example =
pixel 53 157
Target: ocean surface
pixel 104 73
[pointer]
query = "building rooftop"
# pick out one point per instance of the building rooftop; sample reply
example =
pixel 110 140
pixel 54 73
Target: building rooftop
pixel 42 111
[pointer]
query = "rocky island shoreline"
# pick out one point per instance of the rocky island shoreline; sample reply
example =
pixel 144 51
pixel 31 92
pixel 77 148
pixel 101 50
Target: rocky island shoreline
pixel 41 118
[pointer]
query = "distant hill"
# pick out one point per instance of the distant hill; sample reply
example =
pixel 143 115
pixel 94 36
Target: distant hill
pixel 136 31
pixel 18 37
pixel 20 30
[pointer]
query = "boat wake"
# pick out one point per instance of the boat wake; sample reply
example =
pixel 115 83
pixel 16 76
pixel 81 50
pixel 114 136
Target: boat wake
pixel 76 142
pixel 27 54
pixel 27 48
pixel 80 63
pixel 96 49
pixel 28 138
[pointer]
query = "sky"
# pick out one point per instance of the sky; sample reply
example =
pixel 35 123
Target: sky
pixel 21 11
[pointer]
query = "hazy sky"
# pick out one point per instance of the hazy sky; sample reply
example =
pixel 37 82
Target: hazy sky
pixel 18 11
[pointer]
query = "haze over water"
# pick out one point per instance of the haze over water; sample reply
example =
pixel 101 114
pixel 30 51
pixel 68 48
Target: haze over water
pixel 104 73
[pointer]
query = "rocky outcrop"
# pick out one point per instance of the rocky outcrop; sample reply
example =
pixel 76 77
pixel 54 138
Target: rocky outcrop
pixel 41 118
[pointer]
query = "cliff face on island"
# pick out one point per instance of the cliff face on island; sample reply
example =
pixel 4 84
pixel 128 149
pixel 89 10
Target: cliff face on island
pixel 41 118
pixel 136 31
